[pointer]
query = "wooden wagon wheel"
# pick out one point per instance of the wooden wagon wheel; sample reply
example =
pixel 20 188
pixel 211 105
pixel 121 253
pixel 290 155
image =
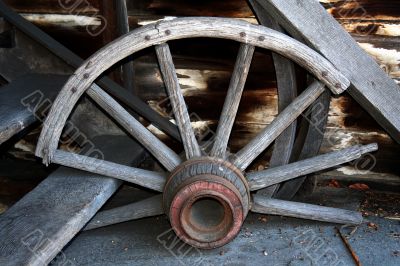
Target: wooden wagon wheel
pixel 206 196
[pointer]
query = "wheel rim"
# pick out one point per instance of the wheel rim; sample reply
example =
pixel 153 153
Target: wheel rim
pixel 217 178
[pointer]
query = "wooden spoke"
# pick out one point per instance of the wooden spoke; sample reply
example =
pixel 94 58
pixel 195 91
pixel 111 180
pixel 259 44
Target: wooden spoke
pixel 182 118
pixel 272 176
pixel 144 178
pixel 232 101
pixel 305 211
pixel 158 149
pixel 142 209
pixel 246 155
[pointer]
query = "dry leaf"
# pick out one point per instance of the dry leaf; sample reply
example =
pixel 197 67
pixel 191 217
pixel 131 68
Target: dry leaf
pixel 334 183
pixel 359 186
pixel 373 226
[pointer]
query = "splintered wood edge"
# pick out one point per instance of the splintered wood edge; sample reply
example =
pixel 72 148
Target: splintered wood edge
pixel 162 32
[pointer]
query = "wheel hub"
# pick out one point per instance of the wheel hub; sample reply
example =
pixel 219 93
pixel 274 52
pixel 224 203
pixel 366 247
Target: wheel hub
pixel 207 200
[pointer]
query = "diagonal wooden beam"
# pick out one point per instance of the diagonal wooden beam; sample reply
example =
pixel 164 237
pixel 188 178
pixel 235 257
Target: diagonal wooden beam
pixel 371 86
pixel 36 229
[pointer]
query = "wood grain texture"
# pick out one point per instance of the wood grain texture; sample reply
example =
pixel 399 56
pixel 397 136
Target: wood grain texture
pixel 275 175
pixel 144 178
pixel 252 150
pixel 175 29
pixel 37 228
pixel 167 157
pixel 123 28
pixel 75 61
pixel 179 107
pixel 371 87
pixel 141 209
pixel 232 100
pixel 309 140
pixel 286 83
pixel 304 211
pixel 23 100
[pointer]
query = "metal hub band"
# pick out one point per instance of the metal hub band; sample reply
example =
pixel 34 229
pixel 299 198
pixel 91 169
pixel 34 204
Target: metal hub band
pixel 207 200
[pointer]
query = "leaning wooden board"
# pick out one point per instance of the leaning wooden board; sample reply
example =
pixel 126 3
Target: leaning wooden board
pixel 371 86
pixel 36 229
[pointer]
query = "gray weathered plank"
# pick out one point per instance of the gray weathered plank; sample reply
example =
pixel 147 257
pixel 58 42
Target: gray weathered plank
pixel 72 59
pixel 267 205
pixel 167 157
pixel 144 178
pixel 252 150
pixel 164 31
pixel 275 175
pixel 36 228
pixel 231 105
pixel 371 86
pixel 141 209
pixel 179 107
pixel 23 101
pixel 123 28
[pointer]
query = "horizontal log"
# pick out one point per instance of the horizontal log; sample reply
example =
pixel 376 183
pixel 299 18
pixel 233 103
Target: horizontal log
pixel 266 205
pixel 50 6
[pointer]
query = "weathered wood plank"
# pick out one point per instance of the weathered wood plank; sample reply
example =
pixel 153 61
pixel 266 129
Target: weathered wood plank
pixel 141 209
pixel 179 107
pixel 144 178
pixel 167 157
pixel 35 229
pixel 275 175
pixel 372 88
pixel 23 102
pixel 123 28
pixel 305 211
pixel 245 156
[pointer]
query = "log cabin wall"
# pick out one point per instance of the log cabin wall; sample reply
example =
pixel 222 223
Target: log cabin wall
pixel 204 66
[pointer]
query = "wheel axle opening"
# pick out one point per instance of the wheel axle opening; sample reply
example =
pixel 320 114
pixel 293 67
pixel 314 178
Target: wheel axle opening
pixel 206 213
pixel 207 219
